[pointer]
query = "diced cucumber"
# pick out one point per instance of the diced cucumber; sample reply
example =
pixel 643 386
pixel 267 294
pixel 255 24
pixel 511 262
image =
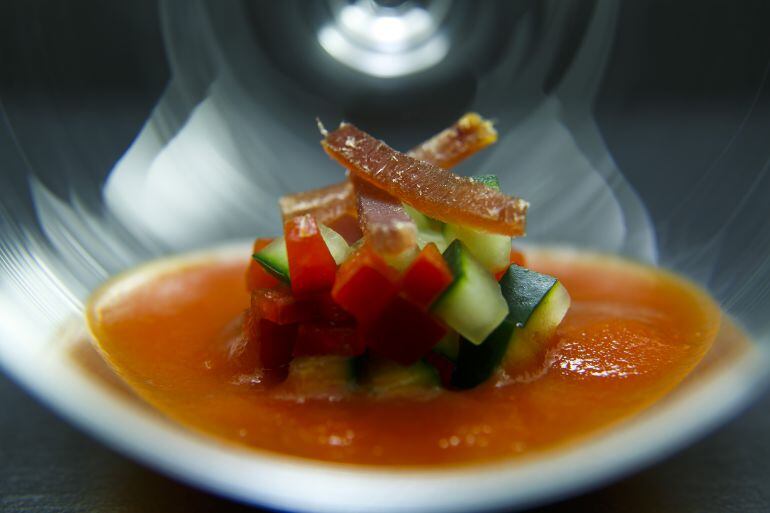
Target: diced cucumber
pixel 426 236
pixel 275 259
pixel 428 229
pixel 491 249
pixel 476 363
pixel 537 304
pixel 449 346
pixel 336 243
pixel 422 221
pixel 320 377
pixel 400 261
pixel 385 378
pixel 473 304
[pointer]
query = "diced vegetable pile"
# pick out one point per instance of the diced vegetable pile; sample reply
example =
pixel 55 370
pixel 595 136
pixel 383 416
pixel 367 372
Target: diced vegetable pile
pixel 400 278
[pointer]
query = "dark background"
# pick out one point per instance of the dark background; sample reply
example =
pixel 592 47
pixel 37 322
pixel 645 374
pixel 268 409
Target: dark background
pixel 684 77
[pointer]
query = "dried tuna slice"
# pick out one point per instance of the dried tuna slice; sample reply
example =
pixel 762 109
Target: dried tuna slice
pixel 385 223
pixel 451 146
pixel 327 204
pixel 336 204
pixel 432 190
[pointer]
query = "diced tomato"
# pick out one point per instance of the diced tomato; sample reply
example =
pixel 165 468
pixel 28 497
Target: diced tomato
pixel 279 305
pixel 443 365
pixel 311 265
pixel 333 313
pixel 256 276
pixel 364 285
pixel 517 257
pixel 323 338
pixel 270 345
pixel 427 277
pixel 404 332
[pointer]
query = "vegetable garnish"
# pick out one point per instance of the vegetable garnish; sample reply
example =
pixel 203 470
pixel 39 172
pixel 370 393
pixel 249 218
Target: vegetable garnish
pixel 421 280
pixel 434 191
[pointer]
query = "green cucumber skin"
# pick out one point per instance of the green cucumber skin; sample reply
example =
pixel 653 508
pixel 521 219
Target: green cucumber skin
pixel 476 363
pixel 274 259
pixel 454 257
pixel 283 276
pixel 523 290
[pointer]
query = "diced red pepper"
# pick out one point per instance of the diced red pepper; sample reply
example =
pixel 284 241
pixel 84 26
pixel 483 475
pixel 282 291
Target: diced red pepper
pixel 278 305
pixel 404 332
pixel 333 313
pixel 427 277
pixel 323 338
pixel 365 284
pixel 256 276
pixel 517 257
pixel 443 365
pixel 271 344
pixel 311 265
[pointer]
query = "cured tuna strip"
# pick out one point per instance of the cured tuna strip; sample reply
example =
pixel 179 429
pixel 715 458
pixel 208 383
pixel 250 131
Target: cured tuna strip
pixel 385 223
pixel 326 204
pixel 451 146
pixel 432 190
pixel 446 149
pixel 382 217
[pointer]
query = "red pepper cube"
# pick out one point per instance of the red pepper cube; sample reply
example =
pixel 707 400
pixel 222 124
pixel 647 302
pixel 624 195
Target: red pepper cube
pixel 427 277
pixel 311 265
pixel 443 365
pixel 333 313
pixel 404 332
pixel 279 305
pixel 322 338
pixel 365 284
pixel 269 345
pixel 256 276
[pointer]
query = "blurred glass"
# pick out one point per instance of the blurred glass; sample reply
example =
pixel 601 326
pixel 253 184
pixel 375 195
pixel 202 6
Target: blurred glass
pixel 138 129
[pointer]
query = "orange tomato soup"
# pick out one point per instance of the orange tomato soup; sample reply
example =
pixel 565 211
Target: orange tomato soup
pixel 632 334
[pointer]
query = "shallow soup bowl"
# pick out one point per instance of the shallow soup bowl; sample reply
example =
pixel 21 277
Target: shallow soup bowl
pixel 621 145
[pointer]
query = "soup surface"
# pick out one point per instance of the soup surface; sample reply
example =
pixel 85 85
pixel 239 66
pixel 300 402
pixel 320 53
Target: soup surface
pixel 631 335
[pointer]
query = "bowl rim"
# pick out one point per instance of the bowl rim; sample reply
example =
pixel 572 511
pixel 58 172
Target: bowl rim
pixel 272 480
